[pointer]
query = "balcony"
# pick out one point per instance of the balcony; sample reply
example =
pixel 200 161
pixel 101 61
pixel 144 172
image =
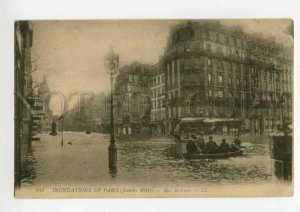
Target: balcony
pixel 172 102
pixel 190 83
pixel 203 52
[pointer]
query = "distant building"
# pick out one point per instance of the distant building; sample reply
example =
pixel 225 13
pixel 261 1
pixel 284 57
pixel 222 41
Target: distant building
pixel 99 114
pixel 158 100
pixel 133 104
pixel 41 102
pixel 90 112
pixel 221 79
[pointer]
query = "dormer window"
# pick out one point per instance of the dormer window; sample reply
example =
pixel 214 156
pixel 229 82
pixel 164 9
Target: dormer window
pixel 234 42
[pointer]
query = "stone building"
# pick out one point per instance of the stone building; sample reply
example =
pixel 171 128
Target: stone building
pixel 221 79
pixel 99 114
pixel 132 101
pixel 42 113
pixel 158 98
pixel 23 94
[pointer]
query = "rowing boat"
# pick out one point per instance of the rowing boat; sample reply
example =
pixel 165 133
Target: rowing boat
pixel 180 140
pixel 213 156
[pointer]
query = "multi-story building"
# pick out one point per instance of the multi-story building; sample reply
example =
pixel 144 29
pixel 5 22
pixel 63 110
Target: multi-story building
pixel 132 102
pixel 23 94
pixel 220 78
pixel 158 98
pixel 99 113
pixel 41 106
pixel 271 67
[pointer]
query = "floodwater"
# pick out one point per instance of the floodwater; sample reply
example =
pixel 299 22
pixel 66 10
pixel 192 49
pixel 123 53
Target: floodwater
pixel 156 162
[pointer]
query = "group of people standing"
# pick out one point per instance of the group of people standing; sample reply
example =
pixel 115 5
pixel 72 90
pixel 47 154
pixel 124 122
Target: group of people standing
pixel 197 145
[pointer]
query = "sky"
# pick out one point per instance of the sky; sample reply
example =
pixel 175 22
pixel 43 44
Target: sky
pixel 70 54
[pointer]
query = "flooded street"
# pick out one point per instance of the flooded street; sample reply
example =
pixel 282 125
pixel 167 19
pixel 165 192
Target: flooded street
pixel 84 161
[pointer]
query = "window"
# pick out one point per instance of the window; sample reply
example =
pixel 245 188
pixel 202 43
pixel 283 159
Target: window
pixel 210 93
pixel 130 78
pixel 245 83
pixel 244 54
pixel 236 53
pixel 219 65
pixel 207 34
pixel 220 79
pixel 234 67
pixel 276 76
pixel 208 46
pixel 187 47
pixel 242 44
pixel 219 50
pixel 229 81
pixel 220 94
pixel 176 94
pixel 227 40
pixel 234 42
pixel 209 78
pixel 135 78
pixel 217 37
pixel 229 52
pixel 208 62
pixel 238 82
pixel 192 33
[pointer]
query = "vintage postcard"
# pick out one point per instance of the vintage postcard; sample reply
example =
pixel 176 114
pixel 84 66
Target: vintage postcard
pixel 153 108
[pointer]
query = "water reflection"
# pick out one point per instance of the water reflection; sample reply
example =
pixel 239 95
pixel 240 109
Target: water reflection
pixel 113 172
pixel 28 168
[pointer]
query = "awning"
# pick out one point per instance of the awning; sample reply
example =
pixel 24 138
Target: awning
pixel 214 120
pixel 207 120
pixel 191 120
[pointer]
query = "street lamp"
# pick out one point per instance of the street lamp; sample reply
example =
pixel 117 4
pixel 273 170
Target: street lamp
pixel 111 62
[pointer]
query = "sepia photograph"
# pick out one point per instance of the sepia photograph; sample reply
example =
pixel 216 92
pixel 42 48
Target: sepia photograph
pixel 153 108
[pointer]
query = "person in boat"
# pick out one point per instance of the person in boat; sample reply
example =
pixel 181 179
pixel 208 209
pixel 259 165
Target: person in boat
pixel 201 142
pixel 211 147
pixel 237 141
pixel 224 146
pixel 191 146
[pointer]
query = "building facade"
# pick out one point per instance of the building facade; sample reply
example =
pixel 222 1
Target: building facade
pixel 132 101
pixel 43 115
pixel 99 114
pixel 220 78
pixel 158 99
pixel 23 94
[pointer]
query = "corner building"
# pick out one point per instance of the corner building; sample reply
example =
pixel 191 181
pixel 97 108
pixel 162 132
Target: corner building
pixel 221 79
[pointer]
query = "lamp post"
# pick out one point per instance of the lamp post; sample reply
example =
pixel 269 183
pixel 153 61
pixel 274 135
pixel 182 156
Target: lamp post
pixel 111 66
